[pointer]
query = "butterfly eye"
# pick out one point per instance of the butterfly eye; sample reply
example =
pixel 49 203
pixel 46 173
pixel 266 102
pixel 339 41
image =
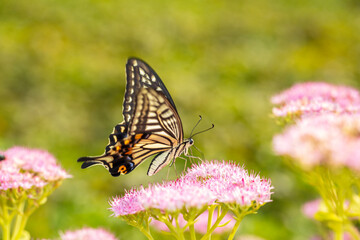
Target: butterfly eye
pixel 191 141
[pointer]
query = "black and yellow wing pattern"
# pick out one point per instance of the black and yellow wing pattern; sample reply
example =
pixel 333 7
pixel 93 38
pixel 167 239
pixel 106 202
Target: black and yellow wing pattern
pixel 151 126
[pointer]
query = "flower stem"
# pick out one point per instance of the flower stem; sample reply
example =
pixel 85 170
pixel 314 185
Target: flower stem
pixel 339 235
pixel 179 230
pixel 218 220
pixel 19 215
pixel 210 216
pixel 20 222
pixel 6 231
pixel 235 228
pixel 175 231
pixel 192 232
pixel 6 221
pixel 353 232
pixel 146 232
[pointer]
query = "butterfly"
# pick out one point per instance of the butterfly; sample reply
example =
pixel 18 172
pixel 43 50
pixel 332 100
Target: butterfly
pixel 151 126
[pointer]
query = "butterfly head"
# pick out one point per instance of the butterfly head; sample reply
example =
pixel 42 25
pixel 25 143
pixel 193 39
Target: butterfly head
pixel 188 143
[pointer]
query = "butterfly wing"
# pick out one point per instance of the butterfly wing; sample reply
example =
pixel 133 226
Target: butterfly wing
pixel 151 124
pixel 140 75
pixel 154 129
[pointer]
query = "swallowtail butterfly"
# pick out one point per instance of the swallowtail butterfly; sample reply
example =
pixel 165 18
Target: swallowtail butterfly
pixel 151 126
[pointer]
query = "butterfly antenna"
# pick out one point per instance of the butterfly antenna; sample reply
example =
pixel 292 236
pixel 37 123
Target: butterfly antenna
pixel 195 126
pixel 212 126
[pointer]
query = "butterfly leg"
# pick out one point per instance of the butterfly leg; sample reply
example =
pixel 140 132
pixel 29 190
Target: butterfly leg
pixel 167 175
pixel 168 172
pixel 202 154
pixel 185 159
pixel 192 157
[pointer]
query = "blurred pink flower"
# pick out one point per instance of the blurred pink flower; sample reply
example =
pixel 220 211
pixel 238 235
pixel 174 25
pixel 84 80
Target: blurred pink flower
pixel 249 237
pixel 25 168
pixel 310 208
pixel 36 160
pixel 88 234
pixel 201 223
pixel 324 139
pixel 316 97
pixel 346 236
pixel 201 186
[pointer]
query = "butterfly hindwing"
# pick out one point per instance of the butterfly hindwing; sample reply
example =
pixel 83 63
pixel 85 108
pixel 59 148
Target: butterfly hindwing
pixel 122 157
pixel 159 161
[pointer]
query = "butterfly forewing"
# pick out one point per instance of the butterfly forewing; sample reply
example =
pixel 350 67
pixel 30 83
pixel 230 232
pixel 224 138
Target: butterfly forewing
pixel 154 113
pixel 140 75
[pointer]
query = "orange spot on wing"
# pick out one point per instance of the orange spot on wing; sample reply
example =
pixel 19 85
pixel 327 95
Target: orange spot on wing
pixel 126 142
pixel 138 136
pixel 118 148
pixel 122 169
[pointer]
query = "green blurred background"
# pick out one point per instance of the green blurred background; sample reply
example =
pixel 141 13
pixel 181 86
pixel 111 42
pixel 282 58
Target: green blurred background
pixel 62 84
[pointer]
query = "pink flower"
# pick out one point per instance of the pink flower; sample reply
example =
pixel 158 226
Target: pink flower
pixel 130 203
pixel 316 97
pixel 231 183
pixel 27 168
pixel 36 160
pixel 310 208
pixel 175 195
pixel 203 185
pixel 325 139
pixel 88 234
pixel 170 196
pixel 201 223
pixel 13 178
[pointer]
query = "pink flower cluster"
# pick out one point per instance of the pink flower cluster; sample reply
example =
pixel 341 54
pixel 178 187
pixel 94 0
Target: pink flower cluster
pixel 203 185
pixel 326 139
pixel 88 234
pixel 26 168
pixel 328 130
pixel 201 223
pixel 231 183
pixel 316 97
